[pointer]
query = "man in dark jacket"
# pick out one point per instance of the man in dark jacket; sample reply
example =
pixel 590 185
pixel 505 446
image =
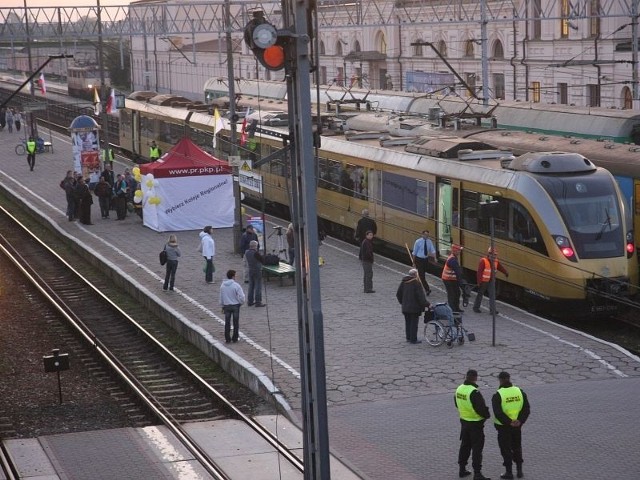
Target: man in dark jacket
pixel 366 258
pixel 255 262
pixel 365 224
pixel 248 235
pixel 411 296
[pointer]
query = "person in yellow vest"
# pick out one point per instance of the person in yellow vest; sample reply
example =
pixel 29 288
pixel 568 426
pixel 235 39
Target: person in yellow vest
pixel 452 278
pixel 154 152
pixel 31 153
pixel 473 413
pixel 510 411
pixel 484 276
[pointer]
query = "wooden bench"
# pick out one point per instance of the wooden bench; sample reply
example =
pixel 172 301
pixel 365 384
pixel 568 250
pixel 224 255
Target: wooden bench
pixel 281 270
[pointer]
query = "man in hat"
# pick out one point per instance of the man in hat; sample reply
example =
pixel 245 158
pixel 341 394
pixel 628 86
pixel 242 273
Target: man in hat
pixel 473 412
pixel 452 278
pixel 483 277
pixel 510 411
pixel 411 296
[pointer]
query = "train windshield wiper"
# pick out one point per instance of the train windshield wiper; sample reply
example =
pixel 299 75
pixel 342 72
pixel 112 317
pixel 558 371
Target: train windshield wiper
pixel 606 223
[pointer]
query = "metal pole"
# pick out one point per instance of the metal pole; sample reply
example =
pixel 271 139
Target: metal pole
pixel 492 282
pixel 237 217
pixel 297 16
pixel 31 88
pixel 104 116
pixel 59 388
pixel 634 50
pixel 484 47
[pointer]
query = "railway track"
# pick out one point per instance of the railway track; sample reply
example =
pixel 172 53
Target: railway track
pixel 173 389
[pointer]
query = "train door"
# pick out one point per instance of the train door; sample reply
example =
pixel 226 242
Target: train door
pixel 135 133
pixel 447 224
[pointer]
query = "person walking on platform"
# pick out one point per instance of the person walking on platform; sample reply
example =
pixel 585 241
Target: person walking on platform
pixel 31 153
pixel 8 118
pixel 452 278
pixel 231 298
pixel 85 199
pixel 473 413
pixel 411 296
pixel 291 244
pixel 3 118
pixel 17 119
pixel 255 262
pixel 510 411
pixel 103 192
pixel 248 235
pixel 154 152
pixel 366 258
pixel 68 184
pixel 208 249
pixel 173 252
pixel 120 191
pixel 423 252
pixel 483 277
pixel 365 224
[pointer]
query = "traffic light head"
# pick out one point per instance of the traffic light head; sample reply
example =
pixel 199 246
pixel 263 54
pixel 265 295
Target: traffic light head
pixel 265 42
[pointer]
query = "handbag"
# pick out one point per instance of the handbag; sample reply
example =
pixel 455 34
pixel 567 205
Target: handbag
pixel 163 257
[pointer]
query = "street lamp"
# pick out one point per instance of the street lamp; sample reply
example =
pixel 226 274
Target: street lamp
pixel 489 210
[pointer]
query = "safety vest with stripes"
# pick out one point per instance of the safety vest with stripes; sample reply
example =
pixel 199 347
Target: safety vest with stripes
pixel 512 402
pixel 449 273
pixel 486 273
pixel 463 402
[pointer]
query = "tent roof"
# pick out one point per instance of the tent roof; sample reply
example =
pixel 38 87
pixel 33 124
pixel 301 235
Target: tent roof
pixel 186 159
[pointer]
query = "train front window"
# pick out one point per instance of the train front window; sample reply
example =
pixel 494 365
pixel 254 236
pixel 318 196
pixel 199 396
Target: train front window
pixel 590 210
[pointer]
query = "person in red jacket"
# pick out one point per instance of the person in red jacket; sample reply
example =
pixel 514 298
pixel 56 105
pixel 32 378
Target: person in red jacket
pixel 483 276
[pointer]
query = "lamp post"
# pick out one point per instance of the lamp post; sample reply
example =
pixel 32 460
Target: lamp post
pixel 488 210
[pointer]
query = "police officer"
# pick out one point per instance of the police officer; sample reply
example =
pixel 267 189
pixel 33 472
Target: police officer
pixel 510 411
pixel 473 413
pixel 452 278
pixel 31 153
pixel 154 151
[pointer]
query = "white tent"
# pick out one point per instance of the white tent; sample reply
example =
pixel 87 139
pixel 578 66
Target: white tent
pixel 186 189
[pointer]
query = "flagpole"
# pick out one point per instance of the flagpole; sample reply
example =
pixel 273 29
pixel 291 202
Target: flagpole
pixel 103 111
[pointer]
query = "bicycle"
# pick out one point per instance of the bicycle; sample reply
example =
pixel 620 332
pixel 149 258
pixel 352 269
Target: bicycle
pixel 21 148
pixel 436 332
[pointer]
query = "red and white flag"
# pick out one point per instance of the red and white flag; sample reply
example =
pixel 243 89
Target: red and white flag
pixel 43 86
pixel 243 132
pixel 111 102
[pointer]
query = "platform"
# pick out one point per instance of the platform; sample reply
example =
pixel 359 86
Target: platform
pixel 390 403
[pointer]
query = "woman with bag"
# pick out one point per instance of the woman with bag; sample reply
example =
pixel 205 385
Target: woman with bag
pixel 173 252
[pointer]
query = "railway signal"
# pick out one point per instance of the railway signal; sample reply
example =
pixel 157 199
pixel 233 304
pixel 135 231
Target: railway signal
pixel 266 43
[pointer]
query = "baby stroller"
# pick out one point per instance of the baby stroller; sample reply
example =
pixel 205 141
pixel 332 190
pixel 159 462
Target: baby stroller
pixel 442 325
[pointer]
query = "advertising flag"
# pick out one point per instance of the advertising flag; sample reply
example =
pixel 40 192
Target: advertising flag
pixel 217 125
pixel 43 86
pixel 96 102
pixel 111 102
pixel 243 132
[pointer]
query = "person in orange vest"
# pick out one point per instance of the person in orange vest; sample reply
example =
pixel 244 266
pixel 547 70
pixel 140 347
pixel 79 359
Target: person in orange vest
pixel 483 276
pixel 452 278
pixel 510 410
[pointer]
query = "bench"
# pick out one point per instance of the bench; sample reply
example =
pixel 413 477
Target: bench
pixel 281 270
pixel 47 147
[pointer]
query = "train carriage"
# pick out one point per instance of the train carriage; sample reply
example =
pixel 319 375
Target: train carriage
pixel 555 255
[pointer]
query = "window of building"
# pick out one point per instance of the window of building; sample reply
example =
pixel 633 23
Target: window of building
pixel 417 48
pixel 536 24
pixel 442 48
pixel 594 21
pixel 321 48
pixel 470 78
pixel 468 49
pixel 356 46
pixel 564 18
pixel 593 95
pixel 323 75
pixel 339 48
pixel 498 86
pixel 498 50
pixel 563 94
pixel 381 43
pixel 535 92
pixel 627 98
pixel 340 76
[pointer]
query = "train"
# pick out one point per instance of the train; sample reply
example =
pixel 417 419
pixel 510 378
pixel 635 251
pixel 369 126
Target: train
pixel 561 224
pixel 82 81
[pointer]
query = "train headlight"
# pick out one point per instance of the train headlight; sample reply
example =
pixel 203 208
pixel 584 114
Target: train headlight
pixel 565 247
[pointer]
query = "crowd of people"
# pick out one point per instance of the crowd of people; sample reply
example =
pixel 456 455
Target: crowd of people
pixel 114 192
pixel 10 118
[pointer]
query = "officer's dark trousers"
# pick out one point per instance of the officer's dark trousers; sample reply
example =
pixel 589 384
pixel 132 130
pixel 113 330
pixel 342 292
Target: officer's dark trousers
pixel 510 443
pixel 472 440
